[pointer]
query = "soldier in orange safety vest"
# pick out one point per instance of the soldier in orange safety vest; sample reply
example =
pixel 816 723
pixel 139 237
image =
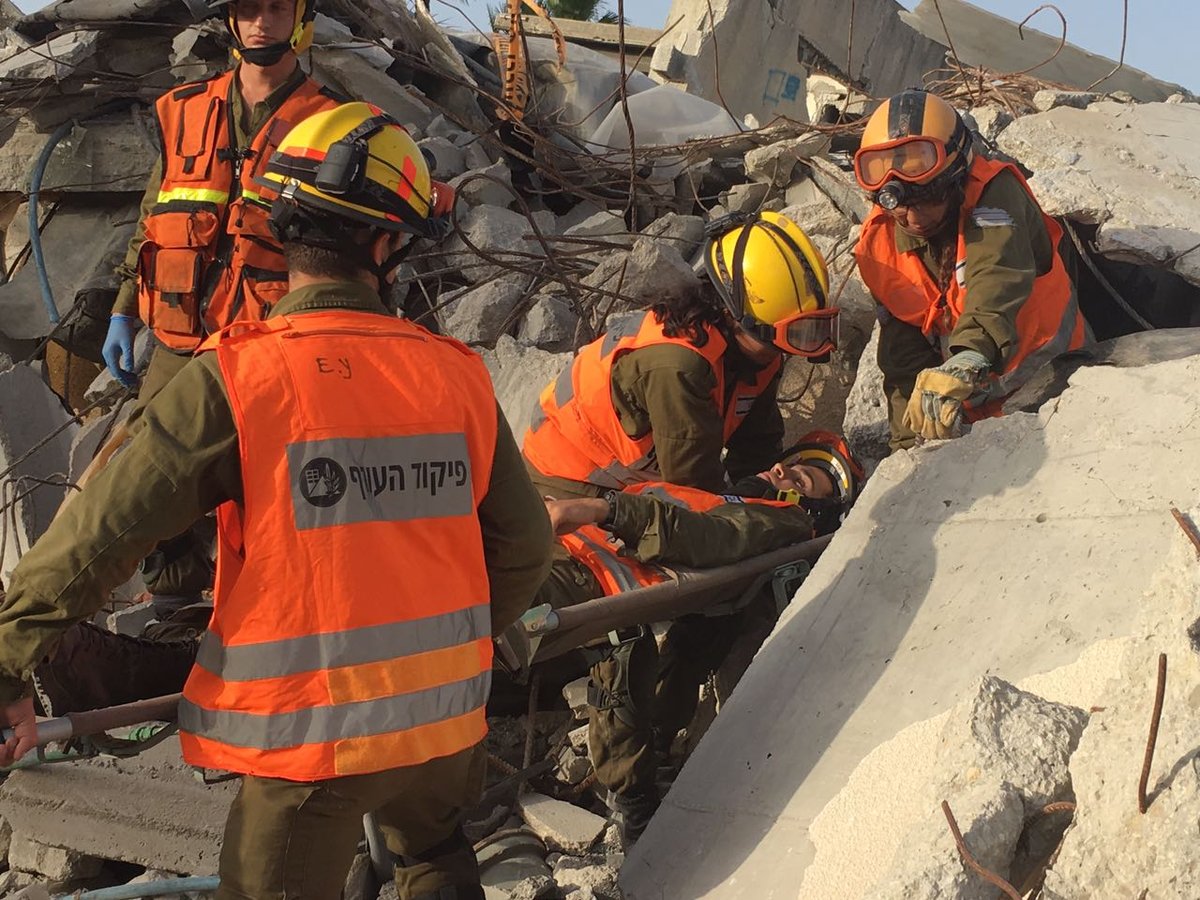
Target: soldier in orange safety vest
pixel 664 392
pixel 375 527
pixel 203 255
pixel 973 292
pixel 640 695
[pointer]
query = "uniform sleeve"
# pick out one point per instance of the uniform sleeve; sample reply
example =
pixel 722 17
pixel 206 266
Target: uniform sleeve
pixel 126 302
pixel 181 462
pixel 1003 237
pixel 658 532
pixel 758 441
pixel 902 353
pixel 673 386
pixel 517 540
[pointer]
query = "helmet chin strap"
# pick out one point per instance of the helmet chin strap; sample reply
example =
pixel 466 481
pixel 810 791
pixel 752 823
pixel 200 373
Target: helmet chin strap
pixel 264 56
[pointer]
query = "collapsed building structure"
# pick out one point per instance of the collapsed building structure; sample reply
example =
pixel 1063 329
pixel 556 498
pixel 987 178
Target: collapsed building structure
pixel 1019 552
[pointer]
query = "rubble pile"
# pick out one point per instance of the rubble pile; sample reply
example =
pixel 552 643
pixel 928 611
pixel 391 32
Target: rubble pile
pixel 589 210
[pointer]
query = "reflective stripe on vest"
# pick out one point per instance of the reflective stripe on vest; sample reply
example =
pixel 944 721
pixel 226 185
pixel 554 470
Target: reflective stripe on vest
pixel 600 551
pixel 184 289
pixel 575 432
pixel 351 622
pixel 1048 322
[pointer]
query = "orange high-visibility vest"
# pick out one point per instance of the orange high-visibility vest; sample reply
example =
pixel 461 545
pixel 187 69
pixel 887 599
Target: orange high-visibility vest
pixel 602 552
pixel 576 433
pixel 209 259
pixel 1048 323
pixel 351 628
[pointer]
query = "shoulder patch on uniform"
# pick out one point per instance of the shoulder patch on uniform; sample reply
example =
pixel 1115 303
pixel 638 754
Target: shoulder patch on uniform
pixel 991 217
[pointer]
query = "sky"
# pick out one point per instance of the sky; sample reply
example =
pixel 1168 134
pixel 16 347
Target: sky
pixel 1161 41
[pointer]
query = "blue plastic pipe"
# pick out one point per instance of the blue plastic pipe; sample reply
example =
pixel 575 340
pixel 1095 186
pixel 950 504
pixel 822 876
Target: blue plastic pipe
pixel 35 238
pixel 148 889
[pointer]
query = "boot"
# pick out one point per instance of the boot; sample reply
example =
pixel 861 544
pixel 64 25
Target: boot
pixel 93 668
pixel 632 813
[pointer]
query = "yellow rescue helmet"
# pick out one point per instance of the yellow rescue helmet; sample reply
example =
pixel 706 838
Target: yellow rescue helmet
pixel 773 281
pixel 301 38
pixel 913 139
pixel 357 164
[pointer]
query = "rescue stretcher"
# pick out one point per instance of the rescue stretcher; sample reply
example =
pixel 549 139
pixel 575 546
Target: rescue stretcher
pixel 547 633
pixel 719 591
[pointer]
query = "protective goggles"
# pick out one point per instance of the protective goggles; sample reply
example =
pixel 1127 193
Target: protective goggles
pixel 810 334
pixel 909 159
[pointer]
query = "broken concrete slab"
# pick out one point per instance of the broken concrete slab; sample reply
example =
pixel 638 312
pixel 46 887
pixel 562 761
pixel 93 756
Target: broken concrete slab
pixel 603 224
pixel 1046 100
pixel 550 324
pixel 1012 513
pixel 1014 737
pixel 482 311
pixel 497 231
pixel 360 69
pixel 198 52
pixel 1131 169
pixel 55 863
pixel 786 39
pixel 775 163
pixel 127 809
pixel 29 414
pixel 103 155
pixel 746 198
pixel 1112 850
pixel 587 877
pixel 489 186
pixel 83 239
pixel 866 425
pixel 685 233
pixel 982 38
pixel 561 825
pixel 447 159
pixel 518 375
pixel 649 272
pixel 54 59
pixel 841 188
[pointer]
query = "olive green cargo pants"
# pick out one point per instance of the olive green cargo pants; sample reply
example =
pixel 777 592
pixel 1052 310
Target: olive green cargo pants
pixel 288 840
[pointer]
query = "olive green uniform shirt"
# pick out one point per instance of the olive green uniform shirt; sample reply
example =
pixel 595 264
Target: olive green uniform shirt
pixel 667 389
pixel 246 124
pixel 181 462
pixel 655 531
pixel 1007 248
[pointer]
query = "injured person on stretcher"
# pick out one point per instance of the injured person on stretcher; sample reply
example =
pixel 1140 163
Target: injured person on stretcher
pixel 627 545
pixel 621 545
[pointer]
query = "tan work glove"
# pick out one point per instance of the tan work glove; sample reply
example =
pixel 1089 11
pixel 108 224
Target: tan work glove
pixel 935 409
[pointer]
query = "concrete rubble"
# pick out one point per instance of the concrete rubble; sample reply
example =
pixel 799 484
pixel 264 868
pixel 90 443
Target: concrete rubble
pixel 953 637
pixel 972 557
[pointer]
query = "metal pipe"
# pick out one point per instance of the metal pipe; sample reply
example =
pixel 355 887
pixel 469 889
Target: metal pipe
pixel 94 721
pixel 148 889
pixel 691 591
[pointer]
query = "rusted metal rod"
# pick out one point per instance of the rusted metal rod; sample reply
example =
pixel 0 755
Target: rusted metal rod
pixel 1188 528
pixel 1159 691
pixel 986 874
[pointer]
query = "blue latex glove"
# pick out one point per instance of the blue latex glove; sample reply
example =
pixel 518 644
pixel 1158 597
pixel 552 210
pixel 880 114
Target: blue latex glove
pixel 118 348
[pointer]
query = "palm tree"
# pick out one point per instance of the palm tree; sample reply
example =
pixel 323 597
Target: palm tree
pixel 580 10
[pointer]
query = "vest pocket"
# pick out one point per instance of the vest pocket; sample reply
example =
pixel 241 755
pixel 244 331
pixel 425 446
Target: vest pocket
pixel 171 272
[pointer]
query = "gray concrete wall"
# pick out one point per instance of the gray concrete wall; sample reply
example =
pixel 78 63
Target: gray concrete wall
pixel 765 48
